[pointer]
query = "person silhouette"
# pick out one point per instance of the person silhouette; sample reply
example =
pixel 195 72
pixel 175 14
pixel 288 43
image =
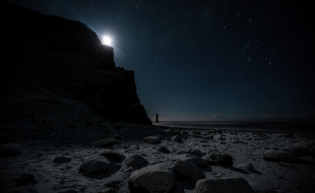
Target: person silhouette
pixel 157 118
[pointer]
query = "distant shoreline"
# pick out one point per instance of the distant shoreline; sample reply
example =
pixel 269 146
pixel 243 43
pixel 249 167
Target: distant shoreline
pixel 272 127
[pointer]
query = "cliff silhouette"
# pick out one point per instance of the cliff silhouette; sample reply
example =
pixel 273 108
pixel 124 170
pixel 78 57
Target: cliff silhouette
pixel 67 58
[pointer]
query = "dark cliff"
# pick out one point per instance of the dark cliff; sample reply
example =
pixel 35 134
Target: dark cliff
pixel 66 57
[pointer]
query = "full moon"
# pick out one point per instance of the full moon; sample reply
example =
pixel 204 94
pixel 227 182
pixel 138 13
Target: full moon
pixel 107 40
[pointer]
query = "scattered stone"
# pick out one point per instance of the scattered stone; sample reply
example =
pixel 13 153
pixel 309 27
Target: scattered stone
pixel 182 151
pixel 203 141
pixel 103 143
pixel 230 185
pixel 132 148
pixel 25 180
pixel 110 154
pixel 9 150
pixel 195 152
pixel 214 157
pixel 176 138
pixel 209 137
pixel 62 159
pixel 187 171
pixel 247 167
pixel 197 161
pixel 136 161
pixel 154 178
pixel 98 164
pixel 161 148
pixel 218 137
pixel 284 156
pixel 152 140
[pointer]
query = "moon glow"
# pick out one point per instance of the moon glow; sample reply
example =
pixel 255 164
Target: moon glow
pixel 107 40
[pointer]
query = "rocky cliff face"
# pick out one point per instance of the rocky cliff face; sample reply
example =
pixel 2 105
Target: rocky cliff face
pixel 67 57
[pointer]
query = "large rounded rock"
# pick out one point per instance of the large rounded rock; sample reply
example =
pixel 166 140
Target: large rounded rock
pixel 108 153
pixel 187 171
pixel 161 148
pixel 103 143
pixel 9 150
pixel 176 138
pixel 98 164
pixel 230 185
pixel 136 161
pixel 152 140
pixel 214 157
pixel 155 178
pixel 284 156
pixel 197 161
pixel 195 152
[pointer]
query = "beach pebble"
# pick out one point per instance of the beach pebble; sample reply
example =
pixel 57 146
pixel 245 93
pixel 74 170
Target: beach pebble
pixel 187 171
pixel 154 178
pixel 135 161
pixel 230 185
pixel 218 137
pixel 152 140
pixel 247 167
pixel 195 152
pixel 176 138
pixel 161 148
pixel 111 154
pixel 132 148
pixel 301 148
pixel 98 164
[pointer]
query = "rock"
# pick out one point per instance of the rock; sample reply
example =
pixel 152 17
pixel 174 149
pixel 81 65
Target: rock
pixel 301 149
pixel 203 141
pixel 136 161
pixel 62 159
pixel 197 161
pixel 5 138
pixel 284 156
pixel 98 164
pixel 132 148
pixel 110 154
pixel 115 141
pixel 9 150
pixel 218 137
pixel 195 152
pixel 161 148
pixel 154 178
pixel 25 180
pixel 176 138
pixel 247 167
pixel 152 140
pixel 23 189
pixel 103 143
pixel 187 171
pixel 182 151
pixel 230 185
pixel 214 157
pixel 209 137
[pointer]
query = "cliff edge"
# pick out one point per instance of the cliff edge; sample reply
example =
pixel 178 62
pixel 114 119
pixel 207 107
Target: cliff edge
pixel 66 57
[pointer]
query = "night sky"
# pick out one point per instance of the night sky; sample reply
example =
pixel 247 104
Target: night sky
pixel 202 60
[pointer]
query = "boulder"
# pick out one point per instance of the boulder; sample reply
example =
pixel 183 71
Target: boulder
pixel 214 157
pixel 98 164
pixel 197 161
pixel 301 149
pixel 62 159
pixel 154 178
pixel 195 152
pixel 152 140
pixel 110 154
pixel 247 167
pixel 103 143
pixel 283 156
pixel 161 148
pixel 176 138
pixel 9 150
pixel 135 161
pixel 187 171
pixel 230 185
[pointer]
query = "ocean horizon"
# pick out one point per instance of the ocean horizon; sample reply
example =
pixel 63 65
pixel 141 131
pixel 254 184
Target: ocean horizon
pixel 296 127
